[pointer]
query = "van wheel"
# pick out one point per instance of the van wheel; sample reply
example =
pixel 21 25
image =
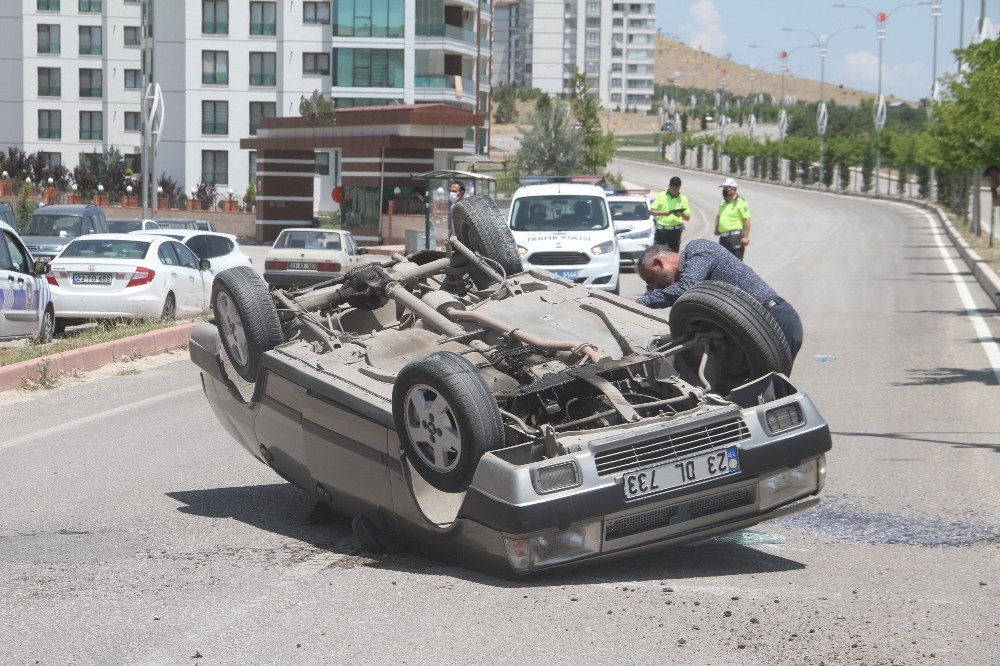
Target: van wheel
pixel 481 226
pixel 48 327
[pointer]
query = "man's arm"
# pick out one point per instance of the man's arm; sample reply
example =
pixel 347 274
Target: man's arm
pixel 745 238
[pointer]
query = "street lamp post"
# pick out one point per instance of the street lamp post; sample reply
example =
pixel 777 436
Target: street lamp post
pixel 821 116
pixel 879 116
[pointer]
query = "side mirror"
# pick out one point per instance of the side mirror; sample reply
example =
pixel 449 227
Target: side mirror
pixel 205 265
pixel 41 267
pixel 362 250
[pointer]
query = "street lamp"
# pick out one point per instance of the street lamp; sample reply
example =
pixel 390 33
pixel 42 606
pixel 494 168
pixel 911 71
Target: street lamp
pixel 880 20
pixel 821 115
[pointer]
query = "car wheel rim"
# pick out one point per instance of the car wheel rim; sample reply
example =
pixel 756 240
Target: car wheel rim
pixel 168 309
pixel 232 328
pixel 48 326
pixel 432 428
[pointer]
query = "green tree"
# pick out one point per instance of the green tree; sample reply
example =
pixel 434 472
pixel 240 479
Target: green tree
pixel 967 121
pixel 549 146
pixel 598 147
pixel 505 104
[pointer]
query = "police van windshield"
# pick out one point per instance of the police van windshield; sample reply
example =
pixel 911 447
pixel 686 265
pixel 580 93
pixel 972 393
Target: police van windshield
pixel 562 213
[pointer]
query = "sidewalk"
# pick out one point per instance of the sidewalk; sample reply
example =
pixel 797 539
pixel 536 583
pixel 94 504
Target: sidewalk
pixel 88 358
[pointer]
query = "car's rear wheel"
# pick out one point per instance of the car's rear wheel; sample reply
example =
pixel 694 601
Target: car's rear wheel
pixel 743 340
pixel 481 226
pixel 446 419
pixel 169 309
pixel 246 318
pixel 47 328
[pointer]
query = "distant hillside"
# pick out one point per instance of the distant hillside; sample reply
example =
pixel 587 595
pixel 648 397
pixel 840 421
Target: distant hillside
pixel 702 70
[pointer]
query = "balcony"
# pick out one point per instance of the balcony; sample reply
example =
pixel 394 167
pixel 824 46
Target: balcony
pixel 90 6
pixel 445 31
pixel 215 27
pixel 48 5
pixel 91 135
pixel 263 79
pixel 50 133
pixel 217 177
pixel 215 128
pixel 91 49
pixel 49 91
pixel 49 48
pixel 263 28
pixel 91 91
pixel 215 78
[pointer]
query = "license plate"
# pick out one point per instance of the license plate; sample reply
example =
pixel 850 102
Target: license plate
pixel 301 266
pixel 567 275
pixel 92 278
pixel 677 473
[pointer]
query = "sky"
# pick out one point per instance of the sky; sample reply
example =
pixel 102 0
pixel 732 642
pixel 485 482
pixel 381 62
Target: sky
pixel 727 28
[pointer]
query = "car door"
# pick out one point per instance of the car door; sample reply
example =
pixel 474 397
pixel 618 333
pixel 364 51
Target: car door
pixel 21 297
pixel 354 257
pixel 197 281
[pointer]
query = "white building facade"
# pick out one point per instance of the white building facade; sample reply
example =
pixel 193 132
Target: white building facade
pixel 223 65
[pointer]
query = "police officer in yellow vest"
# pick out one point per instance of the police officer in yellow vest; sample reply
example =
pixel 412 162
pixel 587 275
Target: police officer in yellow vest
pixel 732 224
pixel 672 210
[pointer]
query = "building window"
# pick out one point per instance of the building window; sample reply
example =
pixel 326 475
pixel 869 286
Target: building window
pixel 133 79
pixel 91 83
pixel 48 38
pixel 362 18
pixel 316 63
pixel 215 17
pixel 215 68
pixel 91 126
pixel 263 18
pixel 48 5
pixel 49 82
pixel 368 68
pixel 252 168
pixel 90 6
pixel 260 110
pixel 263 69
pixel 133 162
pixel 592 53
pixel 215 167
pixel 51 159
pixel 90 40
pixel 133 121
pixel 215 117
pixel 322 164
pixel 316 12
pixel 49 124
pixel 593 8
pixel 133 35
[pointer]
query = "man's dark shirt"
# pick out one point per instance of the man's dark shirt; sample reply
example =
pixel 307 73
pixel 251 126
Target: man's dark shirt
pixel 704 260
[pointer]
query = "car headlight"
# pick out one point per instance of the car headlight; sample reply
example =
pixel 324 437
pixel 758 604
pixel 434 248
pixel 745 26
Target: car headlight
pixel 789 484
pixel 637 235
pixel 548 549
pixel 522 250
pixel 603 248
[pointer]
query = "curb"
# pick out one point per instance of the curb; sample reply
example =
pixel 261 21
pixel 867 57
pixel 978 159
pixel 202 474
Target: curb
pixel 87 358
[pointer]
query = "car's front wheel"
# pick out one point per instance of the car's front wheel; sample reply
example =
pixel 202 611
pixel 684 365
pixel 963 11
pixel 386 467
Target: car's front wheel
pixel 446 418
pixel 246 318
pixel 738 339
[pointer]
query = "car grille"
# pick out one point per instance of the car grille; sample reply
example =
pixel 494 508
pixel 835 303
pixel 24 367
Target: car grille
pixel 670 446
pixel 558 259
pixel 645 521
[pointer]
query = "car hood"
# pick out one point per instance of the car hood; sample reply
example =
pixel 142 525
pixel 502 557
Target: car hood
pixel 548 241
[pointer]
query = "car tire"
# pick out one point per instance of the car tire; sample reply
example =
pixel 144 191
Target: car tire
pixel 48 327
pixel 246 318
pixel 446 419
pixel 752 344
pixel 169 312
pixel 482 227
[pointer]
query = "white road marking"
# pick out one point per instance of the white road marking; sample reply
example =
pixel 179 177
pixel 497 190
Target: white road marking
pixel 986 340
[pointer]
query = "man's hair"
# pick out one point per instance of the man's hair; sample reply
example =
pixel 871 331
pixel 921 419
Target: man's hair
pixel 645 260
pixel 993 168
pixel 461 187
pixel 675 182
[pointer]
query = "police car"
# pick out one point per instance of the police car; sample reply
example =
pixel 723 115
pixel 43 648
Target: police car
pixel 26 309
pixel 633 223
pixel 566 228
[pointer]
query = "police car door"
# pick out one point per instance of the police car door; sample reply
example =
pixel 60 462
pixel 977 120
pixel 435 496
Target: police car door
pixel 20 297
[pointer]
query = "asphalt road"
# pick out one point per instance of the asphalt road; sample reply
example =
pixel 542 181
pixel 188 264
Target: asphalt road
pixel 134 530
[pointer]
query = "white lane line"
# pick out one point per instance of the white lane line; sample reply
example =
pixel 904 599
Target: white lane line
pixel 48 432
pixel 989 345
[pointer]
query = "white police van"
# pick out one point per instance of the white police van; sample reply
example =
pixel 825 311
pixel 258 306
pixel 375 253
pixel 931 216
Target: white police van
pixel 26 309
pixel 566 228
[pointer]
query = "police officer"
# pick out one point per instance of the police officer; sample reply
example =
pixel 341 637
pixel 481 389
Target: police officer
pixel 672 210
pixel 732 224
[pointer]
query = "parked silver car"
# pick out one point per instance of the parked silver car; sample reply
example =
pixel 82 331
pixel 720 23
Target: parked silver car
pixel 511 421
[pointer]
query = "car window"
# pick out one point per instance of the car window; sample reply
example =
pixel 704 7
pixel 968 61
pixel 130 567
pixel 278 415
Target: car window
pixel 186 256
pixel 167 255
pixel 218 246
pixel 629 210
pixel 88 225
pixel 16 258
pixel 123 226
pixel 199 245
pixel 352 246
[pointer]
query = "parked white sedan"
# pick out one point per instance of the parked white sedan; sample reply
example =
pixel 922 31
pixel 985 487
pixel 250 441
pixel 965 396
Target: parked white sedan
pixel 308 256
pixel 127 276
pixel 222 249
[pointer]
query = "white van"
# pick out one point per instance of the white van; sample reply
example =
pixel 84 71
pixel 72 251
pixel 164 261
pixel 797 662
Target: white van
pixel 566 228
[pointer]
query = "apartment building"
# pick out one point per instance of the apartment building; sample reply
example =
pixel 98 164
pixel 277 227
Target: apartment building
pixel 612 42
pixel 222 65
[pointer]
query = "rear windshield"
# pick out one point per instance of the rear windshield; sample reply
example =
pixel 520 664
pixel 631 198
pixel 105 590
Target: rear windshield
pixel 106 249
pixel 54 225
pixel 309 240
pixel 123 226
pixel 628 210
pixel 175 224
pixel 558 213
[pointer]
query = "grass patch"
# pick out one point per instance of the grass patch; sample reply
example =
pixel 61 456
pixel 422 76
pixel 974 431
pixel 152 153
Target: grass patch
pixel 84 337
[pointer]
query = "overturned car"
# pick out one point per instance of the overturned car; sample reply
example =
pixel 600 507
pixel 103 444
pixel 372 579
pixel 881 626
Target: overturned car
pixel 508 421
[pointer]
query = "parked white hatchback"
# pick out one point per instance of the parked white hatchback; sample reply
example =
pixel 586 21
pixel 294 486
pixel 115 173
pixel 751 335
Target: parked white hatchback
pixel 221 249
pixel 127 276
